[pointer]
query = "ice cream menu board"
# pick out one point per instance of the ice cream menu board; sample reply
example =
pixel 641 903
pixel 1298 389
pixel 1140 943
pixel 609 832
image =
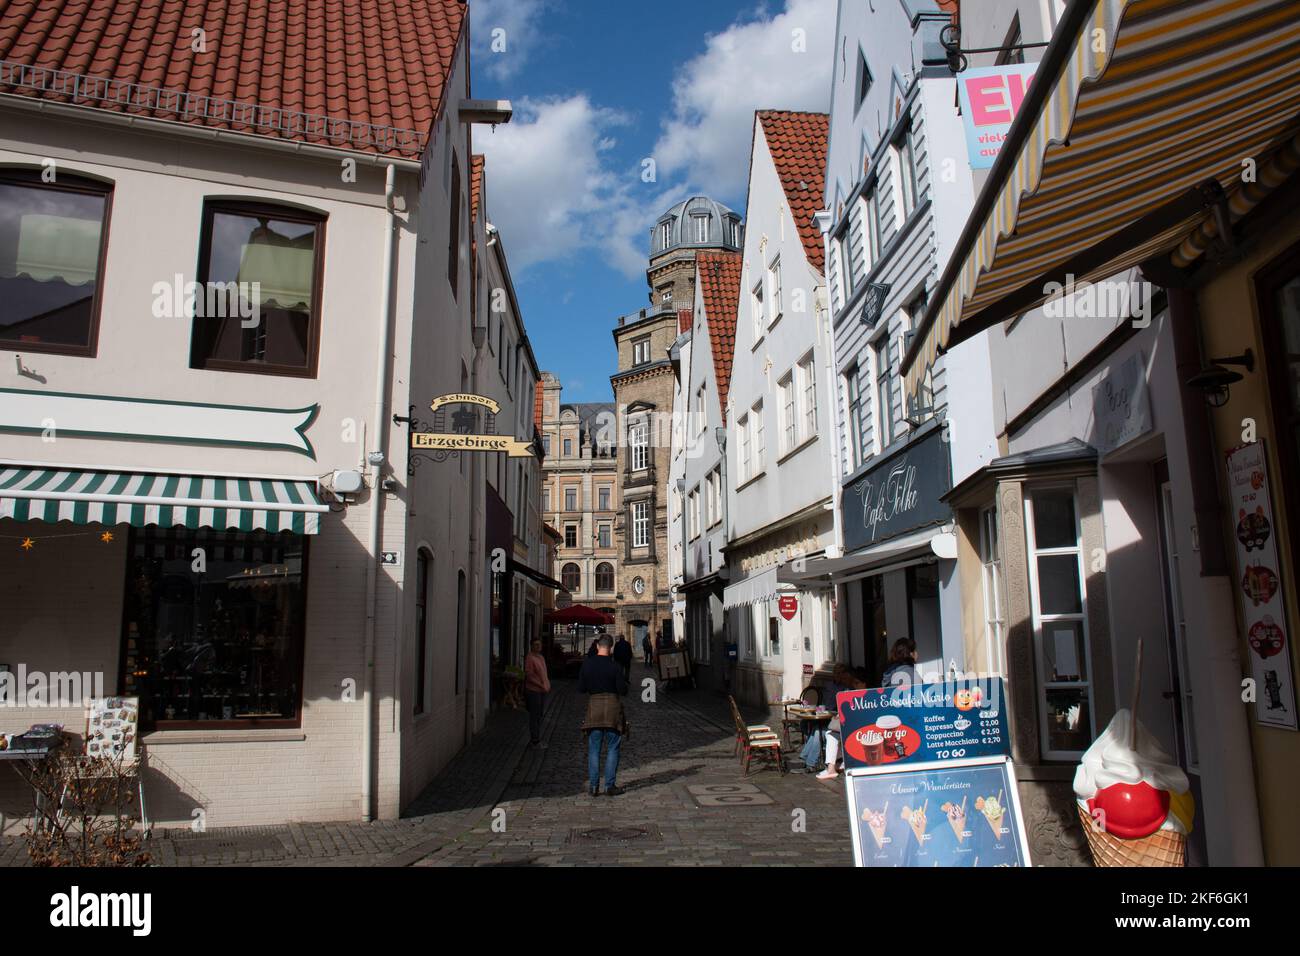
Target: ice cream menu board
pixel 964 813
pixel 883 726
pixel 1264 613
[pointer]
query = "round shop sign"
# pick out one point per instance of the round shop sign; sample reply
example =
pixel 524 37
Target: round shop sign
pixel 1266 638
pixel 788 605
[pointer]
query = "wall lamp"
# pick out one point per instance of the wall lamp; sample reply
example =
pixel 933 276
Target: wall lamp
pixel 1214 379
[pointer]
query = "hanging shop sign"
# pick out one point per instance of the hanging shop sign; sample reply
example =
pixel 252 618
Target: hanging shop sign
pixel 930 780
pixel 899 495
pixel 462 422
pixel 990 98
pixel 55 414
pixel 788 605
pixel 1263 609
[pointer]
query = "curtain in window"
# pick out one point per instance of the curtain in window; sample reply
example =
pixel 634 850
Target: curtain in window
pixel 283 267
pixel 57 247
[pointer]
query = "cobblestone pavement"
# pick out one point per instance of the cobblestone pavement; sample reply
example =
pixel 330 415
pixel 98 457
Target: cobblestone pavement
pixel 679 745
pixel 502 803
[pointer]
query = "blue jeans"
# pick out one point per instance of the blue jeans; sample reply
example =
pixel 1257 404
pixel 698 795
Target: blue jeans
pixel 812 749
pixel 612 741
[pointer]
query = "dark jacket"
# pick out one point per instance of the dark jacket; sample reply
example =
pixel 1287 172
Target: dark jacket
pixel 603 679
pixel 623 651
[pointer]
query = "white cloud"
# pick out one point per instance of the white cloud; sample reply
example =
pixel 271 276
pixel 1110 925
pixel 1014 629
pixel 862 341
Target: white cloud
pixel 554 191
pixel 751 65
pixel 504 33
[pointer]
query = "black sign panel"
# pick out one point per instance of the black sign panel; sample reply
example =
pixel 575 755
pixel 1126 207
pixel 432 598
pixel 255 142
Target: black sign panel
pixel 899 495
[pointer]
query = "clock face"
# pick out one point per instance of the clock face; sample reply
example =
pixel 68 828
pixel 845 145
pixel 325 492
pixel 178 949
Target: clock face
pixel 638 585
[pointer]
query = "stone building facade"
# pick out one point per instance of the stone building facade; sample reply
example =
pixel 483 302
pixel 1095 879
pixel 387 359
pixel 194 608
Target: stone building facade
pixel 580 495
pixel 643 395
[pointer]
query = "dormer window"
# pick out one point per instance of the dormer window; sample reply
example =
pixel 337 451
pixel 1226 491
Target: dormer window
pixel 665 234
pixel 701 224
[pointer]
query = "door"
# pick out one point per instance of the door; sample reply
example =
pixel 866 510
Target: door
pixel 1179 693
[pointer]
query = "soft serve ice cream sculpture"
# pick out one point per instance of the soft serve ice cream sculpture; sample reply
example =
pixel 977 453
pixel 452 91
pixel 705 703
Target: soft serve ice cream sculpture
pixel 1132 800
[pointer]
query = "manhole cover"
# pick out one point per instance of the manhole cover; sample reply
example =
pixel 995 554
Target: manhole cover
pixel 733 799
pixel 612 834
pixel 710 789
pixel 201 846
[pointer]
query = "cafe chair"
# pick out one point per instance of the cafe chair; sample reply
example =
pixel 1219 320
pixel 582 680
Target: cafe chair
pixel 756 738
pixel 810 696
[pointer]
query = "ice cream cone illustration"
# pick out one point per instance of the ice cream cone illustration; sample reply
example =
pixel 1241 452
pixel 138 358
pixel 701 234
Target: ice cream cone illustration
pixel 1134 801
pixel 875 821
pixel 956 818
pixel 916 820
pixel 993 811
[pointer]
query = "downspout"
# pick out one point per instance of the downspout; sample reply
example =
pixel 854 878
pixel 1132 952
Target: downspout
pixel 376 461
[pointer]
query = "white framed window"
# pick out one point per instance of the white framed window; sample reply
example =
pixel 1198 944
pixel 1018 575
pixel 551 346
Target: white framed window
pixel 995 624
pixel 641 351
pixel 638 440
pixel 715 496
pixel 701 415
pixel 756 436
pixel 604 537
pixel 743 452
pixel 640 524
pixel 701 224
pixel 884 393
pixel 903 155
pixel 570 499
pixel 665 234
pixel 789 414
pixel 756 305
pixel 1059 605
pixel 693 513
pixel 807 397
pixel 602 496
pixel 666 295
pixel 568 447
pixel 841 255
pixel 774 281
pixel 865 235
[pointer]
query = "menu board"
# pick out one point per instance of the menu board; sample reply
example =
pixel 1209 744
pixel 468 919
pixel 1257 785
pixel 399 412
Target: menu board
pixel 112 728
pixel 883 726
pixel 1263 610
pixel 963 813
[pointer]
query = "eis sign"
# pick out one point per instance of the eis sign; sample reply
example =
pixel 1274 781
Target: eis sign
pixel 990 98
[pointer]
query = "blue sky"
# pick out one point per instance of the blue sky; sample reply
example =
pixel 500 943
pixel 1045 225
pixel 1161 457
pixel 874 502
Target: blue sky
pixel 598 88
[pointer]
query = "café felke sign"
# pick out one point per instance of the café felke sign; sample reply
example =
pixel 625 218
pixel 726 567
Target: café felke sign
pixel 899 495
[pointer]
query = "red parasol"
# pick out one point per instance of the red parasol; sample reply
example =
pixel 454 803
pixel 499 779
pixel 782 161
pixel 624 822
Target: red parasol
pixel 578 614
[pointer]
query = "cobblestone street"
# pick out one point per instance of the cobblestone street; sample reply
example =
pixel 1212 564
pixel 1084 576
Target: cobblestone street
pixel 676 760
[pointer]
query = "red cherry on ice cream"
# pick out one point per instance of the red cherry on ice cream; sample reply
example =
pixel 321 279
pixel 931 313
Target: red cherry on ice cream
pixel 1132 810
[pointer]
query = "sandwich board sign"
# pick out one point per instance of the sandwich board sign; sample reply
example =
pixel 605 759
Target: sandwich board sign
pixel 929 777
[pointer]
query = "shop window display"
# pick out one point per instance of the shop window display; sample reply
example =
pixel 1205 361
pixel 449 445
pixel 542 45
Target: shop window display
pixel 213 628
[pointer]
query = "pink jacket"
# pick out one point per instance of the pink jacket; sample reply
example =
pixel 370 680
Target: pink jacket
pixel 535 678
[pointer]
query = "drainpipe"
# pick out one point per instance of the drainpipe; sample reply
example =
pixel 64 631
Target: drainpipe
pixel 376 461
pixel 1228 795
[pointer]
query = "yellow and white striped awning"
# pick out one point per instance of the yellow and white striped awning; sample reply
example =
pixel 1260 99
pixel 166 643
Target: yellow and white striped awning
pixel 1148 100
pixel 48 493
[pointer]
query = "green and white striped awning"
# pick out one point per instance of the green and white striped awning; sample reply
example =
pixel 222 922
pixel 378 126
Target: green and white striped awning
pixel 38 493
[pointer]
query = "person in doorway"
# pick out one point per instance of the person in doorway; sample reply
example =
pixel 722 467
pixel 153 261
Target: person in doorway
pixel 648 649
pixel 850 681
pixel 623 657
pixel 902 664
pixel 537 684
pixel 602 680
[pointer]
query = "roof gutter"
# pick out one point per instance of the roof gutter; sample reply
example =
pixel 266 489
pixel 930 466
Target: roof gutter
pixel 204 133
pixel 1054 59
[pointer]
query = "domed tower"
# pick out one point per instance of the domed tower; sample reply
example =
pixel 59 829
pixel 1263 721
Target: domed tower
pixel 644 396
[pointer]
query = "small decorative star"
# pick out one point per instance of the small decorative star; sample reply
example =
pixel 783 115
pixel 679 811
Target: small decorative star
pixel 106 537
pixel 28 544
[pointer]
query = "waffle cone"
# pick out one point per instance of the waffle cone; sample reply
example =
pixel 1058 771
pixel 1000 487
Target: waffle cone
pixel 1162 848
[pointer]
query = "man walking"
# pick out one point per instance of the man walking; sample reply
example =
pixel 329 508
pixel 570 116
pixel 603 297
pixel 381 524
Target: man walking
pixel 623 657
pixel 647 648
pixel 603 680
pixel 537 684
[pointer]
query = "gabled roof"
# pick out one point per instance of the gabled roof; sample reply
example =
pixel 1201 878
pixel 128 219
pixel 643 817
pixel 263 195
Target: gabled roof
pixel 719 284
pixel 797 142
pixel 475 184
pixel 381 64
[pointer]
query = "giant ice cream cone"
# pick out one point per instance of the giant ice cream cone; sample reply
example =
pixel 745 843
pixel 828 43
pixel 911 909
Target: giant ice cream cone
pixel 1133 800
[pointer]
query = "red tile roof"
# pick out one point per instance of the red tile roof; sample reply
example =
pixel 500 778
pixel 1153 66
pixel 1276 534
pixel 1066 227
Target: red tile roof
pixel 685 319
pixel 538 392
pixel 797 142
pixel 475 184
pixel 379 63
pixel 719 281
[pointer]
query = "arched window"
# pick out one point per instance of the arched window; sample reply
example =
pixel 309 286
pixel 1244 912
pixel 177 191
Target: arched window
pixel 571 577
pixel 604 576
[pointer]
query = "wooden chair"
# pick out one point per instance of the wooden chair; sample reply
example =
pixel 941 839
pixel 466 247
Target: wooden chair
pixel 756 738
pixel 810 695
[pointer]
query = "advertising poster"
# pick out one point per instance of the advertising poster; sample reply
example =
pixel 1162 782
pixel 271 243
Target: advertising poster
pixel 883 726
pixel 963 813
pixel 112 726
pixel 990 99
pixel 1260 581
